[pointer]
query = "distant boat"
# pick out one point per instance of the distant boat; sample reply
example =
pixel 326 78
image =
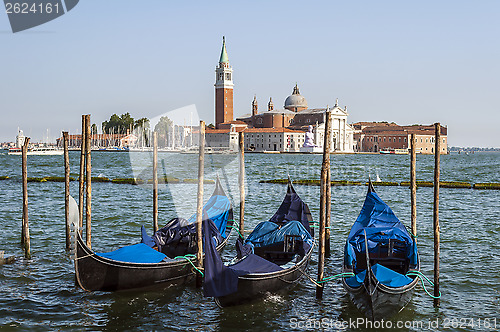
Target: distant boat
pixel 37 151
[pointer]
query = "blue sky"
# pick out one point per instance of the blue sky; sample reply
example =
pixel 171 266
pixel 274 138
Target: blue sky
pixel 407 62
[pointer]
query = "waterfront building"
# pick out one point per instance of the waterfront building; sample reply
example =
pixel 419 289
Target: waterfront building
pixel 376 136
pixel 296 116
pixel 275 129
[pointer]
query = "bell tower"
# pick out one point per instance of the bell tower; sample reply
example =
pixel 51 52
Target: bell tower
pixel 223 88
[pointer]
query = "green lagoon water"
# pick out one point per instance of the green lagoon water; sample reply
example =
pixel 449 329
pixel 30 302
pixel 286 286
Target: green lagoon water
pixel 40 294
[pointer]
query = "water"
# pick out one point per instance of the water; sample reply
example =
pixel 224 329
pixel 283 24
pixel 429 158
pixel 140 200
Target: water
pixel 40 294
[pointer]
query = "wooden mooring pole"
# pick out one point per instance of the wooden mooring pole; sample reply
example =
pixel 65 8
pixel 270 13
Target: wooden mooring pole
pixel 413 186
pixel 199 207
pixel 241 181
pixel 328 190
pixel 437 153
pixel 155 181
pixel 322 208
pixel 66 187
pixel 25 233
pixel 88 187
pixel 81 179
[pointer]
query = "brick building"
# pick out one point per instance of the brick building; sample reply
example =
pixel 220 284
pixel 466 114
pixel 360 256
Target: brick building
pixel 376 136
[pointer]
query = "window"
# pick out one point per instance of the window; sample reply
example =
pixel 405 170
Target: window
pixel 389 139
pixel 443 140
pixel 308 121
pixel 384 139
pixel 400 140
pixel 405 139
pixel 228 76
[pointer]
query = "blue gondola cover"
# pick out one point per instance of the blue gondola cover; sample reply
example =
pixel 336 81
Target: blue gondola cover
pixel 383 274
pixel 137 253
pixel 380 224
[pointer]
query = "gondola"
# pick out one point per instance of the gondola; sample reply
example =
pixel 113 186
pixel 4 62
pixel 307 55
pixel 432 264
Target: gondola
pixel 380 252
pixel 140 265
pixel 272 258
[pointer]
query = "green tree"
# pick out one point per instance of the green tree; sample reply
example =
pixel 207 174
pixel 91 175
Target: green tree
pixel 118 124
pixel 142 122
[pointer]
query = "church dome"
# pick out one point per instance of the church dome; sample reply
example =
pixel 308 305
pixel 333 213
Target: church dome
pixel 295 102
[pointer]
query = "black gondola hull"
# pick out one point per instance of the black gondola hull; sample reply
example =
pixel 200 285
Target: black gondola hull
pixel 96 273
pixel 255 286
pixel 377 301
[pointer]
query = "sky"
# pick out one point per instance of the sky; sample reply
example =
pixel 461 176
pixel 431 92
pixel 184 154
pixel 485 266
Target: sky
pixel 399 61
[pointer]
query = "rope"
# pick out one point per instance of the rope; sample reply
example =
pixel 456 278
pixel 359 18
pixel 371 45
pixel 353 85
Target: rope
pixel 317 226
pixel 235 228
pixel 337 276
pixel 422 276
pixel 188 258
pixel 308 277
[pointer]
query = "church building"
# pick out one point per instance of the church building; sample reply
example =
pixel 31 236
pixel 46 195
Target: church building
pixel 282 130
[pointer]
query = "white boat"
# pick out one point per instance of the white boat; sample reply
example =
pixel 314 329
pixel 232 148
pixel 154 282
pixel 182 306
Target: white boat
pixel 36 151
pixel 39 151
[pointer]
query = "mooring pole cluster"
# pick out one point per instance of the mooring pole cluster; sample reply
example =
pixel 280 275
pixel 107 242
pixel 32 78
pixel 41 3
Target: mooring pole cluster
pixel 324 205
pixel 199 207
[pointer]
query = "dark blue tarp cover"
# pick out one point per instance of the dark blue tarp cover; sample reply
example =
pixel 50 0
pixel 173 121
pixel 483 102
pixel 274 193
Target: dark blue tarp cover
pixel 380 224
pixel 222 280
pixel 383 274
pixel 218 209
pixel 292 218
pixel 267 233
pixel 137 253
pixel 219 280
pixel 178 236
pixel 292 208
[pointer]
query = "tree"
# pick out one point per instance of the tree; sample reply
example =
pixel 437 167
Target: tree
pixel 93 129
pixel 142 122
pixel 118 124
